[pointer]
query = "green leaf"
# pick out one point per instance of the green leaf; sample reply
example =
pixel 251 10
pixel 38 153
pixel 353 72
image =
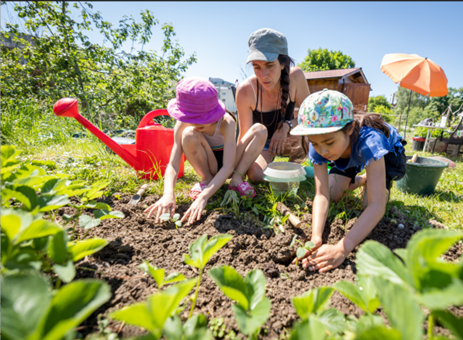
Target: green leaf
pixel 213 245
pixel 176 217
pixel 57 247
pixel 5 247
pixel 173 277
pixel 72 304
pixel 451 322
pixel 402 310
pixel 165 217
pixel 87 222
pixel 11 224
pixel 137 315
pixel 26 195
pixel 380 333
pixel 201 250
pixel 178 224
pixel 350 291
pixel 334 320
pixel 375 259
pixel 25 299
pixel 251 323
pixel 310 245
pixel 363 295
pixel 173 328
pixel 155 272
pixel 94 191
pixel 443 298
pixel 52 202
pixel 36 229
pixel 300 252
pixel 231 284
pixel 311 329
pixel 80 249
pixel 104 214
pixel 96 205
pixel 195 323
pixel 367 322
pixel 66 272
pixel 312 302
pixel 8 153
pixel 255 287
pixel 402 253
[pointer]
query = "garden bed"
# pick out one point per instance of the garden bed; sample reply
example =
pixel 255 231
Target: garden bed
pixel 136 238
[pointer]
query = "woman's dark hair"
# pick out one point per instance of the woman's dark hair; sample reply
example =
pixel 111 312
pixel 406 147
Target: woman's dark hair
pixel 372 120
pixel 287 62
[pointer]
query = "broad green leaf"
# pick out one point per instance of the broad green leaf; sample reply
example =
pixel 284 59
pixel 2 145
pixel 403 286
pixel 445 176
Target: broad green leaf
pixel 380 333
pixel 104 214
pixel 80 249
pixel 165 217
pixel 367 322
pixel 309 330
pixel 309 245
pixel 255 287
pixel 11 224
pixel 32 181
pixel 249 323
pixel 173 328
pixel 173 277
pixel 88 222
pixel 300 252
pixel 176 217
pixel 57 247
pixel 136 315
pixel 196 322
pixel 231 284
pixel 96 205
pixel 402 253
pixel 196 251
pixel 375 259
pixel 51 202
pixel 213 245
pixel 26 195
pixel 65 272
pixel 451 322
pixel 25 299
pixel 94 191
pixel 178 224
pixel 443 298
pixel 334 320
pixel 5 247
pixel 52 185
pixel 8 153
pixel 350 291
pixel 312 302
pixel 73 304
pixel 155 272
pixel 36 229
pixel 402 310
pixel 25 259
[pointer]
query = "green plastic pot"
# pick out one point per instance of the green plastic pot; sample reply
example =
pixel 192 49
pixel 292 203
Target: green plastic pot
pixel 421 177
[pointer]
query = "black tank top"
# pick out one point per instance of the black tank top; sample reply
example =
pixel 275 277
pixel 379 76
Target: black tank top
pixel 271 119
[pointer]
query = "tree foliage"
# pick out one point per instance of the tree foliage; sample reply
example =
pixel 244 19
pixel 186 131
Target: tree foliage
pixel 322 59
pixel 63 62
pixel 375 101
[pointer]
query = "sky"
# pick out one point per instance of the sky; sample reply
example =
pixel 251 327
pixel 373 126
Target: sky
pixel 218 32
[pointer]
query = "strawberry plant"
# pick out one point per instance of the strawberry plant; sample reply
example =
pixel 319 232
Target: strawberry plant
pixel 32 310
pixel 158 274
pixel 201 251
pixel 252 308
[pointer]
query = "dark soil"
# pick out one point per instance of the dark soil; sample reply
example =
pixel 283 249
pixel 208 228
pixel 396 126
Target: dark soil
pixel 135 238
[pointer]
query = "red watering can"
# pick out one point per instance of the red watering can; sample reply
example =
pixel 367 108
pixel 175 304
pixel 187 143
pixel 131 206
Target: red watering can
pixel 149 155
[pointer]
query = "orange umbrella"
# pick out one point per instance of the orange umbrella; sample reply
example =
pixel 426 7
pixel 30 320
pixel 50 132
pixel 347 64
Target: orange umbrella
pixel 417 74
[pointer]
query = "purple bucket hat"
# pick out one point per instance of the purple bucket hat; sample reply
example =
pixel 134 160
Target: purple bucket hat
pixel 196 102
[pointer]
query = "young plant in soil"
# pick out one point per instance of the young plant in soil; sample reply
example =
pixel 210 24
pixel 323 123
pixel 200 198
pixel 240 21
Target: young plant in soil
pixel 252 308
pixel 302 250
pixel 273 217
pixel 231 198
pixel 166 217
pixel 201 251
pixel 158 274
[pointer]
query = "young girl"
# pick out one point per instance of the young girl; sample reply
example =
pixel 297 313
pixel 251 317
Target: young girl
pixel 351 144
pixel 206 135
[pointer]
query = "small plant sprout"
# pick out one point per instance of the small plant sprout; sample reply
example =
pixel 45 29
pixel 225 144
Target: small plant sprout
pixel 232 197
pixel 158 274
pixel 252 308
pixel 166 217
pixel 302 250
pixel 201 252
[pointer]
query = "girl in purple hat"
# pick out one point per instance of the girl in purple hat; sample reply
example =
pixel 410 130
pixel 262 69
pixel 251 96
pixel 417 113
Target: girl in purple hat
pixel 206 135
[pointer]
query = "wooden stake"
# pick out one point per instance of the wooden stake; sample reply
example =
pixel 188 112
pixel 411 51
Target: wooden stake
pixel 284 210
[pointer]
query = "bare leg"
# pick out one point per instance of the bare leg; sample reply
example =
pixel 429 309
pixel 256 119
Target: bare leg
pixel 256 171
pixel 199 153
pixel 247 151
pixel 338 185
pixel 359 181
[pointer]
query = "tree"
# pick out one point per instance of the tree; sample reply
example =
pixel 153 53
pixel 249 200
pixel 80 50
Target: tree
pixel 63 62
pixel 375 101
pixel 322 59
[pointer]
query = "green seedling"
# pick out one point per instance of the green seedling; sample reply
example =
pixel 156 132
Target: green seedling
pixel 166 217
pixel 47 314
pixel 252 308
pixel 201 251
pixel 231 197
pixel 153 314
pixel 158 274
pixel 300 253
pixel 194 328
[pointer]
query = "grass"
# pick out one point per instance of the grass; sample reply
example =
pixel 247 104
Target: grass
pixel 43 136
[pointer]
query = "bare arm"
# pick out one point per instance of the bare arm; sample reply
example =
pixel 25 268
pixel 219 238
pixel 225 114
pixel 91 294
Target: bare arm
pixel 321 202
pixel 244 100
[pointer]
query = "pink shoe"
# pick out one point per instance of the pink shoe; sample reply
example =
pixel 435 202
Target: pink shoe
pixel 196 190
pixel 244 189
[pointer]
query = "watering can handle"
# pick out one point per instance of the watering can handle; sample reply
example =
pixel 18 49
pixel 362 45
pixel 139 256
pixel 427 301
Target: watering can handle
pixel 148 119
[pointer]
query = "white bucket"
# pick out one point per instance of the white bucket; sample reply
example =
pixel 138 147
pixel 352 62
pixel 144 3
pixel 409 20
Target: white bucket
pixel 284 177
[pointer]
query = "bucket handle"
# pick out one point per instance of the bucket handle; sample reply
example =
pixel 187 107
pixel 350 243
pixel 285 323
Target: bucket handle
pixel 148 118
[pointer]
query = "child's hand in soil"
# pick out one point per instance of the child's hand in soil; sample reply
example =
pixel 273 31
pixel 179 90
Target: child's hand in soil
pixel 165 205
pixel 195 210
pixel 327 257
pixel 318 243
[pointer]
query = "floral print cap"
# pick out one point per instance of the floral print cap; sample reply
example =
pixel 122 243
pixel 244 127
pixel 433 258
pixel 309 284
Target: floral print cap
pixel 323 112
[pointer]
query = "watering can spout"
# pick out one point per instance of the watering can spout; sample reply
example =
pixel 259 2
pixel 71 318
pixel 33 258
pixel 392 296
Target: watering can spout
pixel 68 107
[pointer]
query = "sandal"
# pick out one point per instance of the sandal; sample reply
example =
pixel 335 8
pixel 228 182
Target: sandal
pixel 244 189
pixel 196 190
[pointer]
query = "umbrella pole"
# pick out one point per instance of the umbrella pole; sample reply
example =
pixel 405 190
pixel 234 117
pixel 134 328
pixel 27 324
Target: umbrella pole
pixel 406 120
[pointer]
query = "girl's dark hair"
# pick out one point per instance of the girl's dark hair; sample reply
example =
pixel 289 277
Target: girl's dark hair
pixel 231 114
pixel 372 120
pixel 287 62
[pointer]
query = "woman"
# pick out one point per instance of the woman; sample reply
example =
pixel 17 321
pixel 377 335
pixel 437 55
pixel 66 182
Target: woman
pixel 271 95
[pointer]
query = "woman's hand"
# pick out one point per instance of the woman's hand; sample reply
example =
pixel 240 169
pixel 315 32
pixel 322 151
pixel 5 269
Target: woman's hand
pixel 165 205
pixel 318 243
pixel 195 210
pixel 278 140
pixel 327 257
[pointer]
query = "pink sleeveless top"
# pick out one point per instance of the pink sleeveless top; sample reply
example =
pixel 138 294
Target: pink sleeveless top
pixel 217 140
